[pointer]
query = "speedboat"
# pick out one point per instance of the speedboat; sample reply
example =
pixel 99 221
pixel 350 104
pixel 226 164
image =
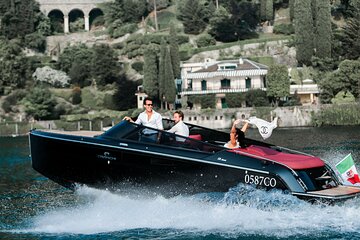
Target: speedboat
pixel 177 164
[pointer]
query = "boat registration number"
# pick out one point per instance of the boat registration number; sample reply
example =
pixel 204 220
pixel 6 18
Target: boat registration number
pixel 259 180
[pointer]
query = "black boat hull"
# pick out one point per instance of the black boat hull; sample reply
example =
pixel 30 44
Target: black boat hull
pixel 78 160
pixel 119 157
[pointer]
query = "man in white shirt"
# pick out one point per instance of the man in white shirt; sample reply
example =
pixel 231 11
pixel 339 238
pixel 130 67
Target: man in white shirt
pixel 148 118
pixel 180 127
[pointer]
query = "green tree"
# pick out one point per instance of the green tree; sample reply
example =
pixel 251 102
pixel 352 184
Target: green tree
pixel 14 69
pixel 194 16
pixel 18 17
pixel 104 65
pixel 345 78
pixel 291 9
pixel 174 51
pixel 76 95
pixel 80 53
pixel 162 89
pixel 120 12
pixel 235 21
pixel 150 82
pixel 124 97
pixel 35 41
pixel 349 72
pixel 351 38
pixel 80 74
pixel 323 33
pixel 263 10
pixel 220 26
pixel 269 10
pixel 278 84
pixel 256 98
pixel 330 85
pixel 304 31
pixel 170 93
pixel 39 103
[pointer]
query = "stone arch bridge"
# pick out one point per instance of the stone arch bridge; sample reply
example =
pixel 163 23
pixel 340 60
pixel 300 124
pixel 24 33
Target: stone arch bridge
pixel 66 6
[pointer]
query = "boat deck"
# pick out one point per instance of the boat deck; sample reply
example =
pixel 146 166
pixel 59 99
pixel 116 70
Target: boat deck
pixel 337 191
pixel 77 133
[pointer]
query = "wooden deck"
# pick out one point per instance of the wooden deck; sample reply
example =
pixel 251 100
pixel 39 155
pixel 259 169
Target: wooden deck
pixel 337 191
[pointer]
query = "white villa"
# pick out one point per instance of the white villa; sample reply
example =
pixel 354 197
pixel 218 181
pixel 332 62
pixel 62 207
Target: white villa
pixel 229 76
pixel 221 77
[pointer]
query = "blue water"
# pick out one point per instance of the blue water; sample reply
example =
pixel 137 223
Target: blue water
pixel 33 207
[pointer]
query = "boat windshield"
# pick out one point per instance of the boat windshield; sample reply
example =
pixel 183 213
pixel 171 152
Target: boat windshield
pixel 197 140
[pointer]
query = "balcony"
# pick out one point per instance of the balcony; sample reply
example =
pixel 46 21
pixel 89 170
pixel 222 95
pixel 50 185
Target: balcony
pixel 198 91
pixel 304 89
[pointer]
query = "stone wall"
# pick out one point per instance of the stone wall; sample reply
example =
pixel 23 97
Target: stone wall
pixel 281 53
pixel 298 116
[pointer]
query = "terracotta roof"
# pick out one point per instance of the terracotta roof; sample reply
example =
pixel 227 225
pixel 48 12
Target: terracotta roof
pixel 246 65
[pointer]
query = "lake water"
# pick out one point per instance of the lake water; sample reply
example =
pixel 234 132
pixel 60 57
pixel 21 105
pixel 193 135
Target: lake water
pixel 32 207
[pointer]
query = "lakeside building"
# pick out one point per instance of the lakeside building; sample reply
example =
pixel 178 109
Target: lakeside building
pixel 229 76
pixel 220 78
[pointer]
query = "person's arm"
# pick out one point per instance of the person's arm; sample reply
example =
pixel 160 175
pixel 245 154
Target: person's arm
pixel 173 129
pixel 236 122
pixel 245 127
pixel 128 119
pixel 233 129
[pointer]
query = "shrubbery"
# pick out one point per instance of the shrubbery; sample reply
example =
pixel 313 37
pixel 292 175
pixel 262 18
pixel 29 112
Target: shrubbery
pixel 234 100
pixel 123 30
pixel 13 99
pixel 138 66
pixel 205 40
pixel 283 28
pixel 206 101
pixel 338 114
pixel 256 98
pixel 76 95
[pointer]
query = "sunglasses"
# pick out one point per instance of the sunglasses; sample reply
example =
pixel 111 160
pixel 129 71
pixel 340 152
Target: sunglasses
pixel 148 104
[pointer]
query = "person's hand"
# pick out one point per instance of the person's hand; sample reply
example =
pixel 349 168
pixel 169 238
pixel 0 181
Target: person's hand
pixel 236 122
pixel 127 118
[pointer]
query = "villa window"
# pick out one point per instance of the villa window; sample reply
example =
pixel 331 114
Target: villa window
pixel 203 85
pixel 227 67
pixel 225 84
pixel 264 81
pixel 247 82
pixel 189 84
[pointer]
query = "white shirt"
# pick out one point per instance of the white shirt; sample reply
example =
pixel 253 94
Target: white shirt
pixel 227 145
pixel 180 129
pixel 155 120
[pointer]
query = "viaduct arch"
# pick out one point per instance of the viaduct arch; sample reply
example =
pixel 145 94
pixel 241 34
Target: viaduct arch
pixel 66 6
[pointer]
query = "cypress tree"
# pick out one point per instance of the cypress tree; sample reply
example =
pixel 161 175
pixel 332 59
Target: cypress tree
pixel 174 52
pixel 163 49
pixel 269 10
pixel 150 81
pixel 263 10
pixel 351 37
pixel 170 93
pixel 323 33
pixel 291 9
pixel 304 31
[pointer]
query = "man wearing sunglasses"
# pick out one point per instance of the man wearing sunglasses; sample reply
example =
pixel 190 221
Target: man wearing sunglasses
pixel 148 118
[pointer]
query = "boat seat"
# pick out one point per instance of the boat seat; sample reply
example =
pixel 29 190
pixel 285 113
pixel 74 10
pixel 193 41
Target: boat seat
pixel 294 161
pixel 194 144
pixel 196 137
